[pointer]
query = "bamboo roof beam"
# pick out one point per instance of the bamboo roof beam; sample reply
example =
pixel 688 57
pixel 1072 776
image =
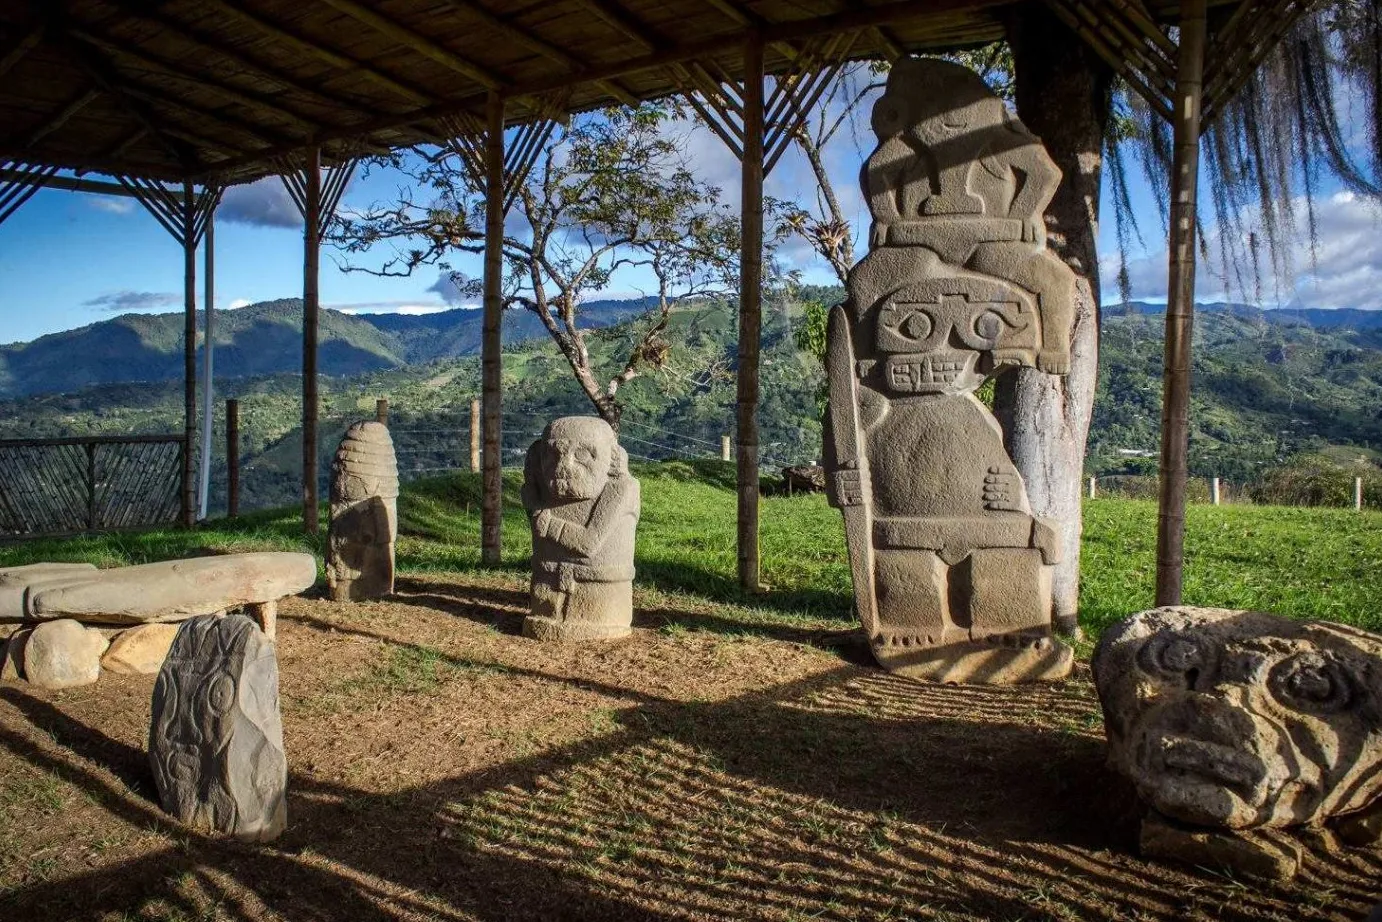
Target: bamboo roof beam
pixel 68 183
pixel 61 117
pixel 419 43
pixel 624 22
pixel 19 182
pixel 336 59
pixel 21 49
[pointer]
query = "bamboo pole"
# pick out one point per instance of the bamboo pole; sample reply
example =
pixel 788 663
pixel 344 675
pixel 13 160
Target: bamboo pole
pixel 232 458
pixel 1180 305
pixel 189 349
pixel 208 371
pixel 311 268
pixel 492 509
pixel 474 436
pixel 1357 494
pixel 381 410
pixel 750 314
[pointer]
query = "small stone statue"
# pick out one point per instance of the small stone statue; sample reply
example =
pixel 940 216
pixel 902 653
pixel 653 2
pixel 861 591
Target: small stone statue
pixel 584 510
pixel 952 572
pixel 216 739
pixel 364 515
pixel 1239 720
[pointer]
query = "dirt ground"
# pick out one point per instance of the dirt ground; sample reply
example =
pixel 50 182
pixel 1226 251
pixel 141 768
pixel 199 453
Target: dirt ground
pixel 443 767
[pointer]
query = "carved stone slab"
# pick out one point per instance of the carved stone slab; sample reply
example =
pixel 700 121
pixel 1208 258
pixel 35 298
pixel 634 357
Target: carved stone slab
pixel 951 569
pixel 584 509
pixel 364 515
pixel 216 738
pixel 1238 720
pixel 170 590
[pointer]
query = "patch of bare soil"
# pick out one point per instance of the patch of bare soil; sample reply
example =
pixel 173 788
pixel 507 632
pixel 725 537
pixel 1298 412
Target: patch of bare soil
pixel 443 767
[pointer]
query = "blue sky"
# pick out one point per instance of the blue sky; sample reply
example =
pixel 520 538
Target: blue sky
pixel 70 259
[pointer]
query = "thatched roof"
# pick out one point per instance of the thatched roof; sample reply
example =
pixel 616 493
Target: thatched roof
pixel 220 88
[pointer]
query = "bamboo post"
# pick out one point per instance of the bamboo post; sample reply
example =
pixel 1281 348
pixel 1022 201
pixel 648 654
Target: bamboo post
pixel 189 350
pixel 311 266
pixel 750 314
pixel 208 369
pixel 91 522
pixel 1180 305
pixel 492 509
pixel 381 410
pixel 232 458
pixel 725 448
pixel 475 436
pixel 1214 490
pixel 1358 494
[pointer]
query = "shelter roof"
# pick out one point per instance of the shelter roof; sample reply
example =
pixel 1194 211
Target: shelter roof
pixel 200 89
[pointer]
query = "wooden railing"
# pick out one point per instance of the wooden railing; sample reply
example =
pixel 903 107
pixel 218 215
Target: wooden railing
pixel 97 483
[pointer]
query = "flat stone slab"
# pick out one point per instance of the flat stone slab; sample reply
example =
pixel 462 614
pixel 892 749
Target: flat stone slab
pixel 172 590
pixel 216 735
pixel 1041 660
pixel 1255 856
pixel 15 581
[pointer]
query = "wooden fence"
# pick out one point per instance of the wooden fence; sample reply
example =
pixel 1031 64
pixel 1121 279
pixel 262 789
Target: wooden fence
pixel 95 483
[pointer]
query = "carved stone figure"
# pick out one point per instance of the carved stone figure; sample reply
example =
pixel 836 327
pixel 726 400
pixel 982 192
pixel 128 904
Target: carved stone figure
pixel 952 572
pixel 584 510
pixel 364 515
pixel 216 739
pixel 1240 719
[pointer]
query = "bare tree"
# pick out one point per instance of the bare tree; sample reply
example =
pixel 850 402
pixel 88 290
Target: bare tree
pixel 613 197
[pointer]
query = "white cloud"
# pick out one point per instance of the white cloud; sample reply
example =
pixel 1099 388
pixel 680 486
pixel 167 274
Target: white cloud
pixel 111 204
pixel 238 302
pixel 457 289
pixel 264 203
pixel 127 301
pixel 389 307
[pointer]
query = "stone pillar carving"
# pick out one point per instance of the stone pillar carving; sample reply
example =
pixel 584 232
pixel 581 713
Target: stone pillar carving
pixel 216 738
pixel 584 509
pixel 364 515
pixel 952 572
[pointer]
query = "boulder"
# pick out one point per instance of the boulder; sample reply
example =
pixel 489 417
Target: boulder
pixel 12 654
pixel 63 654
pixel 171 590
pixel 140 650
pixel 1239 720
pixel 216 736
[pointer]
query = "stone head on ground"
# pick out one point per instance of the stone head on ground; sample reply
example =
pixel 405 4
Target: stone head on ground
pixel 1242 719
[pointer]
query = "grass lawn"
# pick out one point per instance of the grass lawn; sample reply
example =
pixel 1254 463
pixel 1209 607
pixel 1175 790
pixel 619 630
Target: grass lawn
pixel 733 759
pixel 1320 563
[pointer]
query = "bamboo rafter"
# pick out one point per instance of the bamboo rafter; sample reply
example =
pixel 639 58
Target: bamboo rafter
pixel 168 208
pixel 1235 53
pixel 337 177
pixel 19 184
pixel 1129 41
pixel 467 138
pixel 719 100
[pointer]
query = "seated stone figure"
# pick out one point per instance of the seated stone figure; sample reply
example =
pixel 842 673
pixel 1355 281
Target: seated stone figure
pixel 364 515
pixel 584 510
pixel 951 569
pixel 1241 719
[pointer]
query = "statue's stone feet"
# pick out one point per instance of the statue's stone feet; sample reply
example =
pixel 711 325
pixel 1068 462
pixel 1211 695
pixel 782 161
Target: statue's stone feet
pixel 541 628
pixel 1266 856
pixel 995 661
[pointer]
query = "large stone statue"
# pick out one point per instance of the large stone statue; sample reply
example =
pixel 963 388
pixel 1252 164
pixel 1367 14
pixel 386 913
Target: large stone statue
pixel 584 510
pixel 952 572
pixel 1240 719
pixel 364 515
pixel 216 737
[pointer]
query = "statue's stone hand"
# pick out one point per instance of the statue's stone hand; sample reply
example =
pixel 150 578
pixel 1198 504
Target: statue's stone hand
pixel 1002 490
pixel 542 523
pixel 1053 362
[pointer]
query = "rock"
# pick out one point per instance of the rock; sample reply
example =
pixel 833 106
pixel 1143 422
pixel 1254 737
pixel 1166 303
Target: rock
pixel 1247 855
pixel 12 656
pixel 1240 719
pixel 584 509
pixel 952 571
pixel 140 650
pixel 216 737
pixel 808 478
pixel 364 515
pixel 63 654
pixel 171 590
pixel 14 581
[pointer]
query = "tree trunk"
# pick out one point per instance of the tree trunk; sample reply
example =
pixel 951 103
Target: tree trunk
pixel 1063 96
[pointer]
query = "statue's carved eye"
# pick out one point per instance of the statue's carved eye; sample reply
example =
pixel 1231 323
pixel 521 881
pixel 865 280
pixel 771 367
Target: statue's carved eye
pixel 917 326
pixel 584 455
pixel 989 325
pixel 1310 682
pixel 1174 655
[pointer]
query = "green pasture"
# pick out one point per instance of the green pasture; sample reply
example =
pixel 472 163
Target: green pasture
pixel 1324 563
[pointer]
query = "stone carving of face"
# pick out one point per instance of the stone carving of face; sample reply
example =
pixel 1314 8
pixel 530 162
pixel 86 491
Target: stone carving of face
pixel 1242 719
pixel 957 103
pixel 578 456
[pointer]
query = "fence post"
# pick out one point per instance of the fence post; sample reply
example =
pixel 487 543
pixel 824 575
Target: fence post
pixel 1214 490
pixel 381 410
pixel 1092 488
pixel 474 436
pixel 1358 494
pixel 232 458
pixel 724 449
pixel 91 486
